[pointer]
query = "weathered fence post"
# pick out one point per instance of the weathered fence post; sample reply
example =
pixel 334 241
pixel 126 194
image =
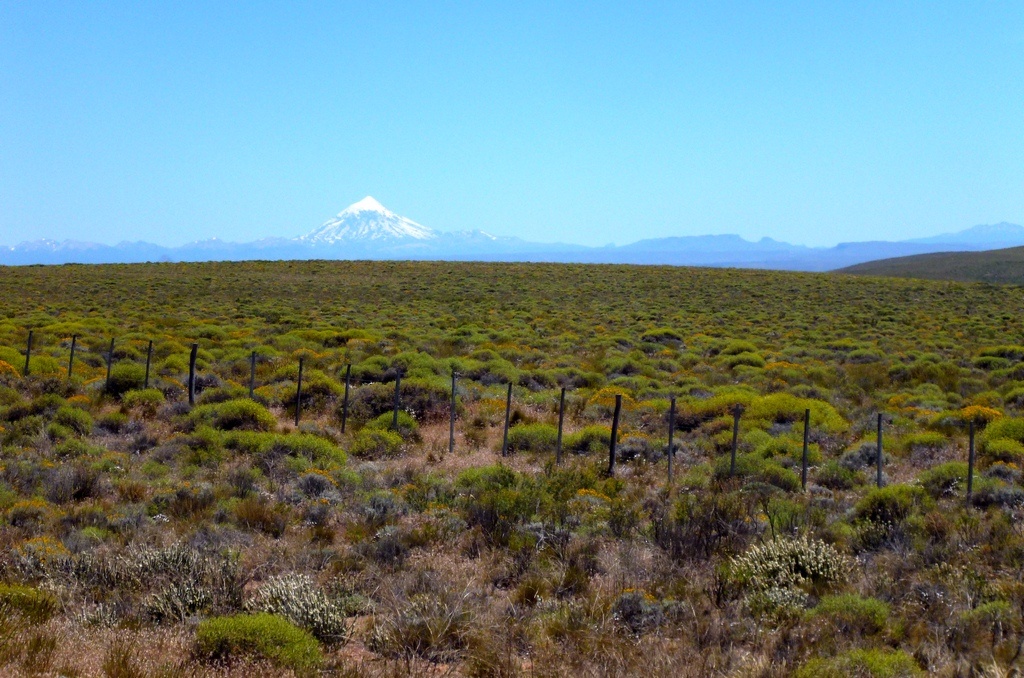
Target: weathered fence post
pixel 344 403
pixel 398 385
pixel 671 433
pixel 149 360
pixel 803 460
pixel 615 434
pixel 561 421
pixel 878 451
pixel 252 375
pixel 970 462
pixel 110 363
pixel 28 353
pixel 71 360
pixel 735 438
pixel 508 416
pixel 451 419
pixel 192 374
pixel 298 395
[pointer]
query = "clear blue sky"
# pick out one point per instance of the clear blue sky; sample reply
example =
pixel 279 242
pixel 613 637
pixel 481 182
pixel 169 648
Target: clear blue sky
pixel 585 122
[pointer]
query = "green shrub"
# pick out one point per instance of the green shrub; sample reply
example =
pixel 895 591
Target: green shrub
pixel 258 636
pixel 851 613
pixel 1004 450
pixel 532 438
pixel 945 479
pixel 124 377
pixel 595 438
pixel 33 604
pixel 146 401
pixel 862 663
pixel 407 427
pixel 242 414
pixel 74 418
pixel 924 440
pixel 892 504
pixel 1005 427
pixel 835 476
pixel 372 443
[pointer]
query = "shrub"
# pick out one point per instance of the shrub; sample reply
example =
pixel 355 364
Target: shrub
pixel 74 418
pixel 241 414
pixel 145 401
pixel 296 598
pixel 407 427
pixel 35 605
pixel 532 438
pixel 835 476
pixel 851 613
pixel 867 663
pixel 925 440
pixel 259 636
pixel 803 563
pixel 371 443
pixel 1005 450
pixel 434 626
pixel 944 479
pixel 71 482
pixel 124 377
pixel 595 438
pixel 256 513
pixel 1006 427
pixel 892 504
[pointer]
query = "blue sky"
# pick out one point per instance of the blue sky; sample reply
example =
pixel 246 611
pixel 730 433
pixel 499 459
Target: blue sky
pixel 585 122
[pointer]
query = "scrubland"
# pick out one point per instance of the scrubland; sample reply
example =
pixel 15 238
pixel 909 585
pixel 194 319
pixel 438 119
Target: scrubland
pixel 142 536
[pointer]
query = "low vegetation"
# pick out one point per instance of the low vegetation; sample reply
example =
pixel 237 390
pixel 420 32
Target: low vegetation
pixel 143 536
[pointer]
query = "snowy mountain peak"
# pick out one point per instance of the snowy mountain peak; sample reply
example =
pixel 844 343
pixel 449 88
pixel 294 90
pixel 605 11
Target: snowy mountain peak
pixel 368 221
pixel 367 204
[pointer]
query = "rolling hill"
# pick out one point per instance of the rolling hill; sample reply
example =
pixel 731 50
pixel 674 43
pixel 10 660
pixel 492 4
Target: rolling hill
pixel 1004 266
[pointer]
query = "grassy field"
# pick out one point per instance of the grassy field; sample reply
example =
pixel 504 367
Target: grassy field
pixel 1003 267
pixel 142 536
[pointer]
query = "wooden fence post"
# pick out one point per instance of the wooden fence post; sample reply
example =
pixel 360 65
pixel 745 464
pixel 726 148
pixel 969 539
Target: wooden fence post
pixel 671 433
pixel 508 415
pixel 192 374
pixel 970 462
pixel 149 360
pixel 398 385
pixel 298 396
pixel 252 375
pixel 451 419
pixel 735 439
pixel 803 461
pixel 344 403
pixel 561 421
pixel 615 434
pixel 71 360
pixel 28 353
pixel 878 451
pixel 110 363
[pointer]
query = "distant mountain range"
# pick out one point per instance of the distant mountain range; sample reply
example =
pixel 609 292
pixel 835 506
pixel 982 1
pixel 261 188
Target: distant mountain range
pixel 368 230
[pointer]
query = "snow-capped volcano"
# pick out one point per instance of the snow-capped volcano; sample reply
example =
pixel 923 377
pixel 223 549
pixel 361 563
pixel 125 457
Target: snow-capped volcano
pixel 368 220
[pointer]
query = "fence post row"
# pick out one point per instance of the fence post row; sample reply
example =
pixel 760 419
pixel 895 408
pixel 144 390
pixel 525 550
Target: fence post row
pixel 508 415
pixel 803 460
pixel 878 451
pixel 71 360
pixel 451 419
pixel 561 421
pixel 615 434
pixel 149 360
pixel 398 385
pixel 671 433
pixel 736 412
pixel 344 403
pixel 298 395
pixel 110 363
pixel 192 374
pixel 28 353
